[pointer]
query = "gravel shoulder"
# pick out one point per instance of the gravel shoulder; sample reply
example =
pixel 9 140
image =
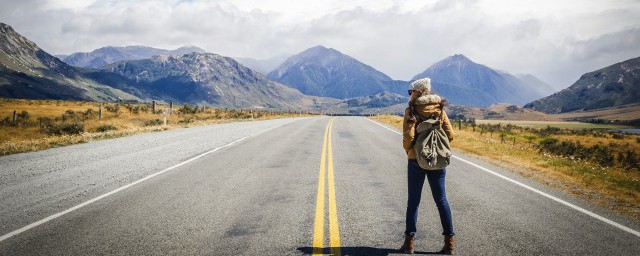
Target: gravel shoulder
pixel 37 184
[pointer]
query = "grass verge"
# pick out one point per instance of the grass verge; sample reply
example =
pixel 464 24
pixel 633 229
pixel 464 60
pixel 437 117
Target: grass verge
pixel 43 124
pixel 612 187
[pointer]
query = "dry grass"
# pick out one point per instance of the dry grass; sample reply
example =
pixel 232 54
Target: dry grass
pixel 613 188
pixel 626 112
pixel 558 124
pixel 28 135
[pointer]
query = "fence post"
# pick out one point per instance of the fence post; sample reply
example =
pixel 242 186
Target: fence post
pixel 459 124
pixel 15 116
pixel 170 107
pixel 153 106
pixel 100 112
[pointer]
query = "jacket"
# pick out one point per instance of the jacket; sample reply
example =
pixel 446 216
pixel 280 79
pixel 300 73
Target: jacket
pixel 425 106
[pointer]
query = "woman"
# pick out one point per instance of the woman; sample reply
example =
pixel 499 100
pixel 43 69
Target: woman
pixel 422 105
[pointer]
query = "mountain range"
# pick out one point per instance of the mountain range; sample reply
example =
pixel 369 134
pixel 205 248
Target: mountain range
pixel 200 78
pixel 326 72
pixel 26 71
pixel 317 78
pixel 106 55
pixel 264 66
pixel 612 86
pixel 465 82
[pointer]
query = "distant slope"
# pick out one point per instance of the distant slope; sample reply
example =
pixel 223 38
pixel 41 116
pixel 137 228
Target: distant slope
pixel 615 85
pixel 202 78
pixel 384 102
pixel 106 55
pixel 263 66
pixel 28 72
pixel 465 82
pixel 322 71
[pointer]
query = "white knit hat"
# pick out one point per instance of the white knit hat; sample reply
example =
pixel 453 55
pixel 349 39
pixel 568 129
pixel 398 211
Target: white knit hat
pixel 421 84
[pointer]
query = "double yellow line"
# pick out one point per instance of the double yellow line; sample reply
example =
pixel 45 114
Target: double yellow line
pixel 334 230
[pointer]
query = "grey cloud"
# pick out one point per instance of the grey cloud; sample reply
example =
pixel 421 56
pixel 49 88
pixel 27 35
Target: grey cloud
pixel 400 44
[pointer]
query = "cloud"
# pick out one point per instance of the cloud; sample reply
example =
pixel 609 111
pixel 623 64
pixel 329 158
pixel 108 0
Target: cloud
pixel 554 40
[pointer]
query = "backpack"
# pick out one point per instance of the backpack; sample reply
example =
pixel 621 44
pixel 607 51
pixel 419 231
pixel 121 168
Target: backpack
pixel 431 144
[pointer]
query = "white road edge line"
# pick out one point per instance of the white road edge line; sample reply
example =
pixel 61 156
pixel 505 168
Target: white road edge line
pixel 587 212
pixel 93 200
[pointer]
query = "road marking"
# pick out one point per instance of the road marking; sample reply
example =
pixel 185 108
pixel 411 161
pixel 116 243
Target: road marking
pixel 580 209
pixel 326 163
pixel 318 229
pixel 95 199
pixel 334 230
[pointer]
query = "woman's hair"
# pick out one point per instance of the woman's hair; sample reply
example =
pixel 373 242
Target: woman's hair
pixel 422 92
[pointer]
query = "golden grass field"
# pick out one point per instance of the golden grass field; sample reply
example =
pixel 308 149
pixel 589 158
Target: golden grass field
pixel 28 135
pixel 558 124
pixel 611 187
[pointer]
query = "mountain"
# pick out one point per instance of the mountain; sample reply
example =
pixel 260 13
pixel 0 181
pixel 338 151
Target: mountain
pixel 106 55
pixel 322 71
pixel 464 82
pixel 615 85
pixel 202 78
pixel 28 72
pixel 533 82
pixel 263 66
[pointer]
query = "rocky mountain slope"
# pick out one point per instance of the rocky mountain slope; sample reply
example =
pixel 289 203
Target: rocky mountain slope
pixel 615 85
pixel 28 72
pixel 202 78
pixel 106 55
pixel 322 71
pixel 464 82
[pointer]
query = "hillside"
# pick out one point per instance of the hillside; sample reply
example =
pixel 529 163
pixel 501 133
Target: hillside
pixel 464 82
pixel 106 55
pixel 615 85
pixel 28 72
pixel 322 71
pixel 202 78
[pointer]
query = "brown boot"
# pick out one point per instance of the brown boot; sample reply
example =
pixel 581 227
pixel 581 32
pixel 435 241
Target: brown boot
pixel 407 247
pixel 448 246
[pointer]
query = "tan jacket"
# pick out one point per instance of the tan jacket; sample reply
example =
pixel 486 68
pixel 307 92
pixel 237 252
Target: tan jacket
pixel 425 110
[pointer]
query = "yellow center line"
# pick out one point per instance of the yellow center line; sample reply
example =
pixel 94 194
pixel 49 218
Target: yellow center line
pixel 318 229
pixel 334 231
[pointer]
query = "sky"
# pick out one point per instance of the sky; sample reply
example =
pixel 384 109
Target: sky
pixel 555 40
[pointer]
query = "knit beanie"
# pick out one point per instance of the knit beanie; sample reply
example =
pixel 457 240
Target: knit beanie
pixel 423 84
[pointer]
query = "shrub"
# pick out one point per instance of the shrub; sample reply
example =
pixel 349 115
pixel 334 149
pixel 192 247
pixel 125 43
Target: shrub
pixel 186 109
pixel 69 115
pixel 113 109
pixel 64 128
pixel 24 115
pixel 617 136
pixel 186 121
pixel 153 122
pixel 106 127
pixel 45 122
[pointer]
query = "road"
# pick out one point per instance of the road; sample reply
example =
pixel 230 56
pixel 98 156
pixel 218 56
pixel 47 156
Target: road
pixel 262 188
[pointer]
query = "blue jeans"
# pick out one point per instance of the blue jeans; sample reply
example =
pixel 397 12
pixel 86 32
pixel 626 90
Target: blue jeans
pixel 416 176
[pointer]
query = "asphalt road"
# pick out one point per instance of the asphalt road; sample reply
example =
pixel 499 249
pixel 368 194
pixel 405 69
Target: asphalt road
pixel 259 196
